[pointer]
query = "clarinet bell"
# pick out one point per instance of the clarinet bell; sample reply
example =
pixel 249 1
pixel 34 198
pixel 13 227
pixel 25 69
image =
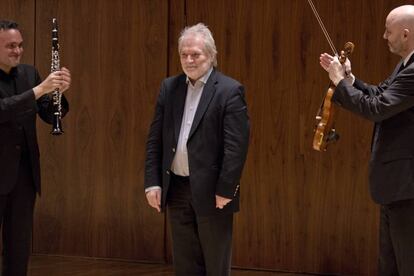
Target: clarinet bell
pixel 57 126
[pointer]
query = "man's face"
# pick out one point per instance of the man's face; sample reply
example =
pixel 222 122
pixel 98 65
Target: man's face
pixel 195 61
pixel 11 49
pixel 394 34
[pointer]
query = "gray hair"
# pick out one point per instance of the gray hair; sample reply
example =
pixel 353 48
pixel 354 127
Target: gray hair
pixel 200 30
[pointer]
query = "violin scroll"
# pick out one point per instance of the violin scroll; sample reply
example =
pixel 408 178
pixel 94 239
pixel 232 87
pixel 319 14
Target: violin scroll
pixel 348 49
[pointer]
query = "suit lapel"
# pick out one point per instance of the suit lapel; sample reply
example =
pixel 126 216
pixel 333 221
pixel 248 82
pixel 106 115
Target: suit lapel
pixel 396 71
pixel 208 93
pixel 178 99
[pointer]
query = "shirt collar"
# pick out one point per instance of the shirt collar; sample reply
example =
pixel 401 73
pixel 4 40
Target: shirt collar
pixel 203 79
pixel 407 58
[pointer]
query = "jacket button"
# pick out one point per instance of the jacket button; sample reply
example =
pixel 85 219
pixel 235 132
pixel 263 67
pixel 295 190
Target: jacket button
pixel 168 172
pixel 18 147
pixel 173 149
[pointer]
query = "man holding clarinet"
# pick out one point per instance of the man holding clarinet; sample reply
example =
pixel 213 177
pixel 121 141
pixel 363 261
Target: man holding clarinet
pixel 22 96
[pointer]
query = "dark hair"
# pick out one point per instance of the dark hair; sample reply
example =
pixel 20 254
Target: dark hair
pixel 7 25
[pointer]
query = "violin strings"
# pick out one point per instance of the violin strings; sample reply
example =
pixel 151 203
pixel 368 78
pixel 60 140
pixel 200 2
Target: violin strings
pixel 325 32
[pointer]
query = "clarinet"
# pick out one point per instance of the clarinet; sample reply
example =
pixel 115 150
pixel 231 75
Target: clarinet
pixel 56 94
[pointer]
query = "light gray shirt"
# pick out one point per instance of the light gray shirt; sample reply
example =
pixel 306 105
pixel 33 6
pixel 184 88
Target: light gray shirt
pixel 180 162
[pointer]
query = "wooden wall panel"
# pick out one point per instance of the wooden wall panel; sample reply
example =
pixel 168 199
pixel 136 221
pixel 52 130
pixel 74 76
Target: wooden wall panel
pixel 301 210
pixel 93 202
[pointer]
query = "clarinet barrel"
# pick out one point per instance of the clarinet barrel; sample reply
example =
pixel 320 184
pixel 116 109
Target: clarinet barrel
pixel 56 94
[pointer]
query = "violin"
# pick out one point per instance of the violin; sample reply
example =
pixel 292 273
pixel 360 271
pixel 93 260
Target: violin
pixel 325 132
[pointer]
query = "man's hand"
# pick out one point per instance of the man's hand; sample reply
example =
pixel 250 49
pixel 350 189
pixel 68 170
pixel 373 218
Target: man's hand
pixel 336 70
pixel 57 80
pixel 347 65
pixel 325 60
pixel 154 199
pixel 221 201
pixel 66 79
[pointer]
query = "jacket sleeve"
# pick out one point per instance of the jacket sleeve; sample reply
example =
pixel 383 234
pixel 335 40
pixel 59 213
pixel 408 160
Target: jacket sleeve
pixel 25 103
pixel 236 128
pixel 154 148
pixel 377 103
pixel 17 105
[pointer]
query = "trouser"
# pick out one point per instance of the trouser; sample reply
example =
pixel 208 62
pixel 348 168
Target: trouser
pixel 397 239
pixel 16 218
pixel 201 244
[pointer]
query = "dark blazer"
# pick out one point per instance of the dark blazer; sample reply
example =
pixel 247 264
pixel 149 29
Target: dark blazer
pixel 18 121
pixel 391 106
pixel 217 143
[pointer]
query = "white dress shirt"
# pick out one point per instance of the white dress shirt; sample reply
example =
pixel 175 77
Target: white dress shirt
pixel 180 162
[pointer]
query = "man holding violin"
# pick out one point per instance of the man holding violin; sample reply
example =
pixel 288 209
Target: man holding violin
pixel 391 106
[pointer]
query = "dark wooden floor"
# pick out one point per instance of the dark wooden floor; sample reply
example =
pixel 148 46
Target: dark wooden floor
pixel 65 266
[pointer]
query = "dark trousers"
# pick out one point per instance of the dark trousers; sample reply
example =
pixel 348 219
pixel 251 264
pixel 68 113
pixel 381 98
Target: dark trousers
pixel 16 218
pixel 397 239
pixel 201 244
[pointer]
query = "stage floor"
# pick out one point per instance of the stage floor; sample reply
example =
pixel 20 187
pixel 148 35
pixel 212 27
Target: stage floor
pixel 41 265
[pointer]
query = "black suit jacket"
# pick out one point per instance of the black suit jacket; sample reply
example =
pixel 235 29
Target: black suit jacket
pixel 217 143
pixel 391 106
pixel 17 121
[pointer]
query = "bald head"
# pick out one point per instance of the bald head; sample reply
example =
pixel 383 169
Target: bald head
pixel 403 16
pixel 399 30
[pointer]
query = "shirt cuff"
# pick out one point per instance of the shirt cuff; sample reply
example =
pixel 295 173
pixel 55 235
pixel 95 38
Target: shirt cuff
pixel 352 78
pixel 153 188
